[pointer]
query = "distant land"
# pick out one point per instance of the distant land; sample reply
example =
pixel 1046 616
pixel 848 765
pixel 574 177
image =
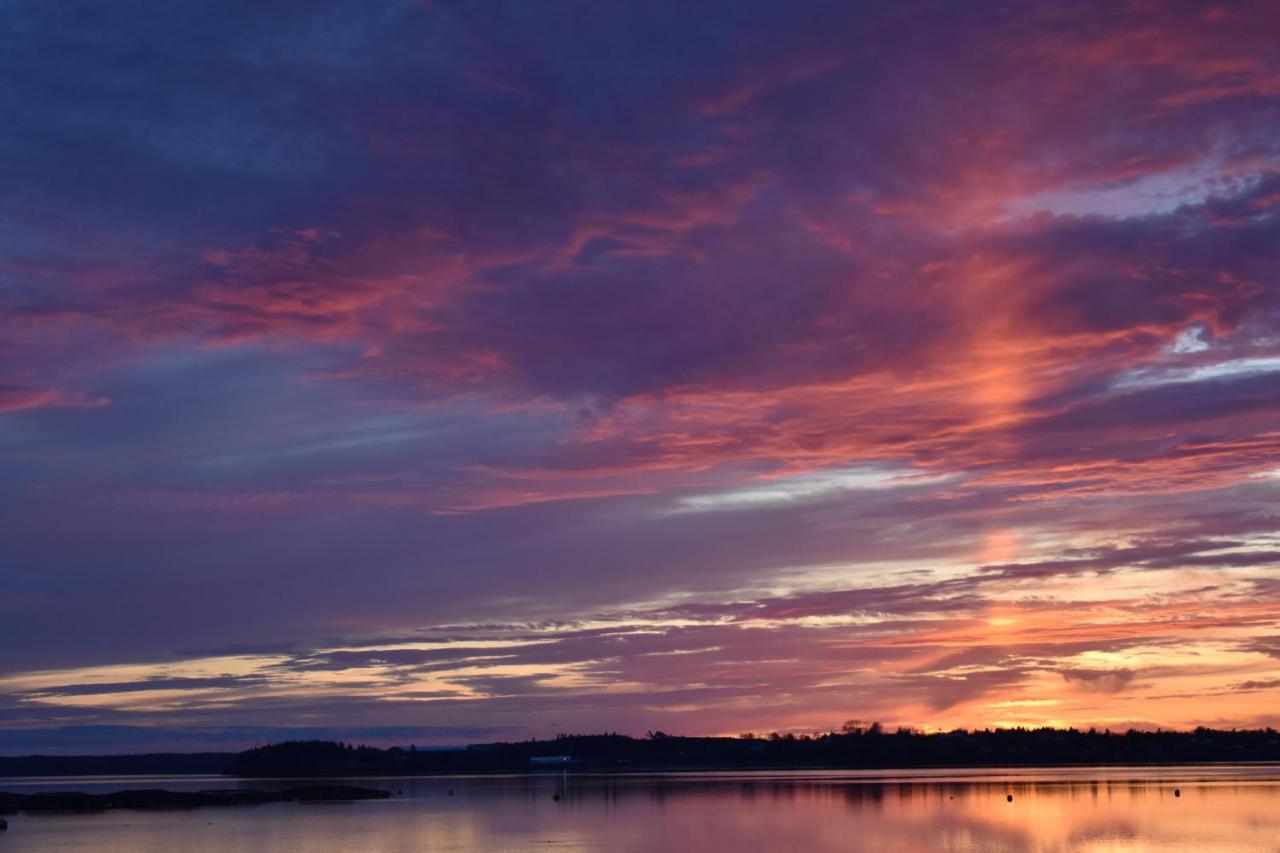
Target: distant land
pixel 852 747
pixel 152 798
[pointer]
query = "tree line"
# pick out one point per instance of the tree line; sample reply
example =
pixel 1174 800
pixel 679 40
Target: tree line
pixel 853 746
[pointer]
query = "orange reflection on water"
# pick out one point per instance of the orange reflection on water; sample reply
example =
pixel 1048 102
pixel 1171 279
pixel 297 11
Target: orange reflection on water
pixel 1120 810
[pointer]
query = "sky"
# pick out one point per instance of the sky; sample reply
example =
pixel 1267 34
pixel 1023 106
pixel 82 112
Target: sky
pixel 439 372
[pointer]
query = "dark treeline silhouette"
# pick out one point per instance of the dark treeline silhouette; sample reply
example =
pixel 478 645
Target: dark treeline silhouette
pixel 853 747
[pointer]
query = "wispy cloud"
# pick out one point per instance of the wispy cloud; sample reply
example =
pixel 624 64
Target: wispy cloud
pixel 911 361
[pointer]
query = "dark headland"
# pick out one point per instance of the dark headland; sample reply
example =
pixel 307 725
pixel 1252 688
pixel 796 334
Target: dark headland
pixel 156 799
pixel 852 747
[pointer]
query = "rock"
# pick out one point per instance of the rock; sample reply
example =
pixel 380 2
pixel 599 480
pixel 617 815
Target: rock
pixel 62 801
pixel 77 801
pixel 323 793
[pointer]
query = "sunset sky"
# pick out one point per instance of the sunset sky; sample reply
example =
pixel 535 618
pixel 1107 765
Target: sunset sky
pixel 442 372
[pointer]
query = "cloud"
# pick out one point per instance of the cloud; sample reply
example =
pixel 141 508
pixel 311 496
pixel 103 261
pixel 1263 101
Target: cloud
pixel 931 651
pixel 1099 681
pixel 21 399
pixel 1269 684
pixel 874 354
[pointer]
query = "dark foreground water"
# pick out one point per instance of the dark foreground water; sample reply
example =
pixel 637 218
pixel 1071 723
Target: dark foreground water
pixel 1221 808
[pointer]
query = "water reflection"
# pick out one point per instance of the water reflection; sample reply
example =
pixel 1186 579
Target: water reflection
pixel 1220 809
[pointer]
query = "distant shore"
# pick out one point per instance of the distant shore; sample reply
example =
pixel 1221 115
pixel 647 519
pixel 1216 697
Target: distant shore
pixel 157 799
pixel 854 748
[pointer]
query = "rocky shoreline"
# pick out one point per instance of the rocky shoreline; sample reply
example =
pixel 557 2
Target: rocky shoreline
pixel 78 801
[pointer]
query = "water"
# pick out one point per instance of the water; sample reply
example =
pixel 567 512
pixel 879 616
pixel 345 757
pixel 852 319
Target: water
pixel 1117 810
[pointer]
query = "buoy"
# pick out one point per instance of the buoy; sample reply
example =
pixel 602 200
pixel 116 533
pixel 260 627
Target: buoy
pixel 1009 798
pixel 4 824
pixel 451 792
pixel 1177 792
pixel 555 797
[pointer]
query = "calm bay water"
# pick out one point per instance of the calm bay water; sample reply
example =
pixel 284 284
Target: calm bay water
pixel 1221 808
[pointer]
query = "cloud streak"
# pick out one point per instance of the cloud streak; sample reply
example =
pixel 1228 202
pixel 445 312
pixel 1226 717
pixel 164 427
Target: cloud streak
pixel 890 360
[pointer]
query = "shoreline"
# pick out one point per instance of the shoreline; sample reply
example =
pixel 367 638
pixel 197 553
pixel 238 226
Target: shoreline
pixel 650 770
pixel 629 770
pixel 156 799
